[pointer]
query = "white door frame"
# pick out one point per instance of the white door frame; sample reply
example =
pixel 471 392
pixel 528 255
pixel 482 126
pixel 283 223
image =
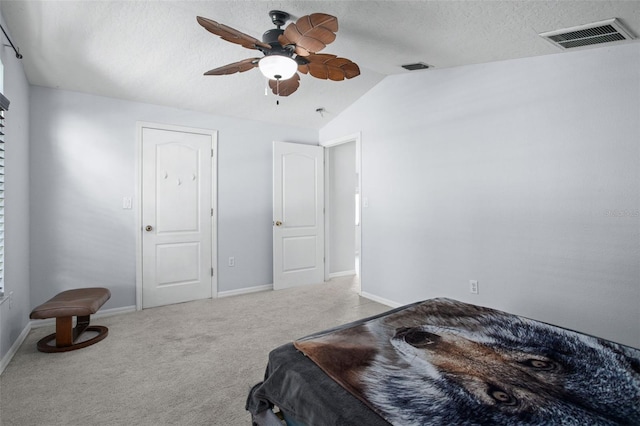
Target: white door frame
pixel 138 201
pixel 327 225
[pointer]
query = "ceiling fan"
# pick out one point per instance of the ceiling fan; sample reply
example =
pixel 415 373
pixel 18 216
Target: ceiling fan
pixel 287 52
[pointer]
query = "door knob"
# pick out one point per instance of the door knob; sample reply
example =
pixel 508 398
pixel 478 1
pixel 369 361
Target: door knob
pixel 278 223
pixel 148 228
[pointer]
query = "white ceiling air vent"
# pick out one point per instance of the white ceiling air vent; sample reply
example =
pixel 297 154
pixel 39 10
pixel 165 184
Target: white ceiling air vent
pixel 607 31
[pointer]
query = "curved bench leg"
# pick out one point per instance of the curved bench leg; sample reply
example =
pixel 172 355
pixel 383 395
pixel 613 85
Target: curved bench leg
pixel 44 346
pixel 66 335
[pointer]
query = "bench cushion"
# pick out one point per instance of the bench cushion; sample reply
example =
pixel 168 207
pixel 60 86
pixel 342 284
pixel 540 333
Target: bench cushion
pixel 71 303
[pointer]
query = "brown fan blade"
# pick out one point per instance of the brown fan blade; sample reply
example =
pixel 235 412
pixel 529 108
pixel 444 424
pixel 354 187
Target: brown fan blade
pixel 311 33
pixel 285 87
pixel 241 66
pixel 325 66
pixel 300 51
pixel 230 34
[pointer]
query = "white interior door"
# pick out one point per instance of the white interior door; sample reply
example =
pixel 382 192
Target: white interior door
pixel 176 216
pixel 298 215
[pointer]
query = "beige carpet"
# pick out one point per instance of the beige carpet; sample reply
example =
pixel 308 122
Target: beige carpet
pixel 185 364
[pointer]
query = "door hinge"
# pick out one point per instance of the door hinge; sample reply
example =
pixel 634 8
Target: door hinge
pixel 211 271
pixel 211 212
pixel 211 152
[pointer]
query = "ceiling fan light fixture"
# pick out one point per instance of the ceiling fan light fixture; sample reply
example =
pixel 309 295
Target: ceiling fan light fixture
pixel 278 67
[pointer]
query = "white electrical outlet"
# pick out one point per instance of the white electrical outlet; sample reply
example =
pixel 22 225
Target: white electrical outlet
pixel 473 286
pixel 232 261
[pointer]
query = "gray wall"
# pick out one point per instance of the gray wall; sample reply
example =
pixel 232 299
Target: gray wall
pixel 14 316
pixel 523 175
pixel 83 162
pixel 342 190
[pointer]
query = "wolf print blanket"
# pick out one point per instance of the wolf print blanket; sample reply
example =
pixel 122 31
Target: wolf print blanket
pixel 444 362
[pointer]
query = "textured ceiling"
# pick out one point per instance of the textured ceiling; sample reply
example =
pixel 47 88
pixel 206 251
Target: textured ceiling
pixel 155 52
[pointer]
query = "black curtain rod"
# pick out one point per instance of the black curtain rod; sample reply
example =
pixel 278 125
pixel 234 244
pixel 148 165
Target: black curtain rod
pixel 15 49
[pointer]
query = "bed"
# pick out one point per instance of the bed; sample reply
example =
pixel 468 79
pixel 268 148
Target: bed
pixel 442 361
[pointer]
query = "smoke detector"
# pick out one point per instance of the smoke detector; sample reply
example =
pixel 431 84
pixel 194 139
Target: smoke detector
pixel 607 31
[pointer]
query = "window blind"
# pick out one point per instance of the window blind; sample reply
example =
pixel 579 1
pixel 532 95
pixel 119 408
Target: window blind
pixel 4 106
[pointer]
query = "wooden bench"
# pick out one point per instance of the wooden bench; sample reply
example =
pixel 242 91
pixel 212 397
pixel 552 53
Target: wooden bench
pixel 80 303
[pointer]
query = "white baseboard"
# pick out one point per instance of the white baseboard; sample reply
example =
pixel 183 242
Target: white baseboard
pixel 114 311
pixel 342 274
pixel 14 348
pixel 378 299
pixel 245 290
pixel 100 314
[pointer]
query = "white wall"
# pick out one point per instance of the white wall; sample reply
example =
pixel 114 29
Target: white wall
pixel 83 162
pixel 523 175
pixel 341 191
pixel 14 316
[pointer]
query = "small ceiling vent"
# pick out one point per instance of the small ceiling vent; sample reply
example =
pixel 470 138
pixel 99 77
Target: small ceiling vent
pixel 607 31
pixel 416 66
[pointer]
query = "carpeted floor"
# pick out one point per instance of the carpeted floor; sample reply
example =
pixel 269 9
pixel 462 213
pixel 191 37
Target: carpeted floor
pixel 186 364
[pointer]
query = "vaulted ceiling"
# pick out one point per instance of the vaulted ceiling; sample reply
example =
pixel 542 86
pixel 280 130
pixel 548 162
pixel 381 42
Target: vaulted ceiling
pixel 155 52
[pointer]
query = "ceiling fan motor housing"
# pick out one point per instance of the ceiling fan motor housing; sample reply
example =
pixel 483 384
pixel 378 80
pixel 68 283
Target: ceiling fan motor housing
pixel 271 36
